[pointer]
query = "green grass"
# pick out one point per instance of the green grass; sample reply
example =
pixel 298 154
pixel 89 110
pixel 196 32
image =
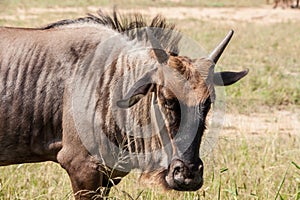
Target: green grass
pixel 34 181
pixel 242 166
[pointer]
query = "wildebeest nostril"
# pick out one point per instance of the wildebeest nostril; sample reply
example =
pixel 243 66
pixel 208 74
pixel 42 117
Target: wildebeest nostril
pixel 177 170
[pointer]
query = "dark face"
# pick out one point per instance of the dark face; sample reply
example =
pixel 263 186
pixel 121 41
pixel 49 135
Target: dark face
pixel 184 117
pixel 185 171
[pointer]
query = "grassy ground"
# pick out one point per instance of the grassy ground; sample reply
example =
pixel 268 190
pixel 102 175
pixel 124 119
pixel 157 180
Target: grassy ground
pixel 241 167
pixel 264 165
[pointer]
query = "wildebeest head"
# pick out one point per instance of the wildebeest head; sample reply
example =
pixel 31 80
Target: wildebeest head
pixel 183 93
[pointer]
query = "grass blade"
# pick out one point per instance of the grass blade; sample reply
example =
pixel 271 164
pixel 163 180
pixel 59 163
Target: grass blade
pixel 295 164
pixel 281 184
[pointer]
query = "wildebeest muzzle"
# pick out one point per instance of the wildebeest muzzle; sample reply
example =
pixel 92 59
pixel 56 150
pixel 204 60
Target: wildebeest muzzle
pixel 185 176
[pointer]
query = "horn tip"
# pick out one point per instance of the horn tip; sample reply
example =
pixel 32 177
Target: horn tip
pixel 216 53
pixel 246 71
pixel 230 33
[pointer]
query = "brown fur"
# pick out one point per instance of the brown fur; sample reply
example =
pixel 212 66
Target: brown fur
pixel 192 82
pixel 41 69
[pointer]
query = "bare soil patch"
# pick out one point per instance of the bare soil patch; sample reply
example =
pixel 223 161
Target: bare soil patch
pixel 282 122
pixel 262 15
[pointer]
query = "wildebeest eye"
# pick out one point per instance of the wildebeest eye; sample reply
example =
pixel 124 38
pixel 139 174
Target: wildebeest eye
pixel 207 102
pixel 170 103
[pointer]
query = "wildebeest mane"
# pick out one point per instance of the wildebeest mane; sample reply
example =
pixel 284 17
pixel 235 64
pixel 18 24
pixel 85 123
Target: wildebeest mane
pixel 133 26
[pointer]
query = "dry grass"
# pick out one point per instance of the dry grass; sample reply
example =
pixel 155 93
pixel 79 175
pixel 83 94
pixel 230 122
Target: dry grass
pixel 241 167
pixel 248 162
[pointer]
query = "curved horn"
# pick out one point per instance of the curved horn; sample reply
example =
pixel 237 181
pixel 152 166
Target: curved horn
pixel 217 52
pixel 161 55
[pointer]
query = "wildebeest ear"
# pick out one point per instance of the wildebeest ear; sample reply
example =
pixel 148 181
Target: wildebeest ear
pixel 138 90
pixel 228 78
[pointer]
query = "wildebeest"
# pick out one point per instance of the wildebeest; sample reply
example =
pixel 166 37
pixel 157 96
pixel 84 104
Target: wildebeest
pixel 102 95
pixel 284 3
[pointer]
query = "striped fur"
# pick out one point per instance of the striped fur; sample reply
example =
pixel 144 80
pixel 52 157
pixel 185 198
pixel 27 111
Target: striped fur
pixel 60 87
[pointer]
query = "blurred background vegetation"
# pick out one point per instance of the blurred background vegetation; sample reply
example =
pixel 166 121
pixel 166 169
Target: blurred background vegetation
pixel 130 3
pixel 245 164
